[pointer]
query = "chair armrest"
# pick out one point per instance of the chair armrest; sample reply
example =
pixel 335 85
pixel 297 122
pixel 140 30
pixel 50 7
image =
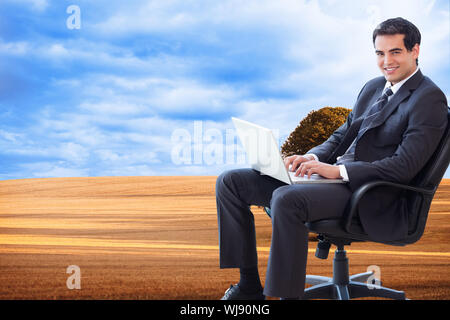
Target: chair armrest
pixel 361 191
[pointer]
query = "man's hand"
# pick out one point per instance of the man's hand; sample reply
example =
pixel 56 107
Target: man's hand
pixel 324 169
pixel 296 160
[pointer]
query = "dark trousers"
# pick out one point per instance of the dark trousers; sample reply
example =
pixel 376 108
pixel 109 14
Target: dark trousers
pixel 291 206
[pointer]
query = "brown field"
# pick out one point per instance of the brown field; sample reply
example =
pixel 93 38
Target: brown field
pixel 156 238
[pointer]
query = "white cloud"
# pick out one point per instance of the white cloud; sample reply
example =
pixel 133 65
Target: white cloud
pixel 36 5
pixel 192 97
pixel 112 108
pixel 10 136
pixel 19 48
pixel 143 96
pixel 39 5
pixel 151 16
pixel 57 50
pixel 72 152
pixel 126 158
pixel 52 170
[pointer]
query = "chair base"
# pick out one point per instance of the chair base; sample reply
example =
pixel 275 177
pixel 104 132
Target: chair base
pixel 345 287
pixel 330 290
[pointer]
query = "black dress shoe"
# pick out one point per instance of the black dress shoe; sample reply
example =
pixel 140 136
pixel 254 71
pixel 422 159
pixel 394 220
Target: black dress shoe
pixel 235 293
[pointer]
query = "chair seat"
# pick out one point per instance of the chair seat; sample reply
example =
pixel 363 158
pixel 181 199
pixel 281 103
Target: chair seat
pixel 333 228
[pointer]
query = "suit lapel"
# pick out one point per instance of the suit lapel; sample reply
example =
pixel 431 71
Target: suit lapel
pixel 402 94
pixel 348 138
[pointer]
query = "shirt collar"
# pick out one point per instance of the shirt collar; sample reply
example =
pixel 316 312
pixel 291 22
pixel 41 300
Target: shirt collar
pixel 397 86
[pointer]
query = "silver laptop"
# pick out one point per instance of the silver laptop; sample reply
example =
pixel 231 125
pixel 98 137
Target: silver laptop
pixel 264 155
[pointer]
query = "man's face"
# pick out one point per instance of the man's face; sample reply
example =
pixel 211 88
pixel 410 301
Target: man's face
pixel 395 62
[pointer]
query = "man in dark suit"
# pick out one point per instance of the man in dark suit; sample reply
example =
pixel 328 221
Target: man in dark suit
pixel 394 127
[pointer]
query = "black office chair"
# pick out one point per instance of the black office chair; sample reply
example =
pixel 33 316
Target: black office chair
pixel 341 232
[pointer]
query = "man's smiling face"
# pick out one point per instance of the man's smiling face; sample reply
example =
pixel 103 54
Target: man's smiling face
pixel 394 60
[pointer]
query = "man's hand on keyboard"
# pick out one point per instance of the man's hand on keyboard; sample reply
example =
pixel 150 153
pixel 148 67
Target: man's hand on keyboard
pixel 324 169
pixel 293 162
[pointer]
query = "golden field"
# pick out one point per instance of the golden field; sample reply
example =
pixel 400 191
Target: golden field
pixel 156 238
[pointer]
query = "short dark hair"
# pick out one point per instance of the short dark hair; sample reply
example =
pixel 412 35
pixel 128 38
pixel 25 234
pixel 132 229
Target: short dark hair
pixel 399 26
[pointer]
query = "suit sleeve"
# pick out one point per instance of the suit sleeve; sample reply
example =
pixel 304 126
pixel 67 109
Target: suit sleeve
pixel 324 150
pixel 426 124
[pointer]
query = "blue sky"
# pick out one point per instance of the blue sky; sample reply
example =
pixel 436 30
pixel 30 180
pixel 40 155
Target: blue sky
pixel 148 87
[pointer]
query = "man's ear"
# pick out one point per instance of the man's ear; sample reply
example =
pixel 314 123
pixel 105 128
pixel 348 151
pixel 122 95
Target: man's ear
pixel 416 50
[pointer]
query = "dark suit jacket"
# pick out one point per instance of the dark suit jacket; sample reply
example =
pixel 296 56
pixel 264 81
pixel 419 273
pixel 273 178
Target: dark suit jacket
pixel 397 143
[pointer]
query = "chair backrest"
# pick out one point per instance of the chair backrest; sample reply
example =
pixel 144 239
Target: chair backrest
pixel 429 177
pixel 432 173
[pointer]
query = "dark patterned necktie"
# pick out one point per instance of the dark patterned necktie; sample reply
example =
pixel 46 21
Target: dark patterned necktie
pixel 381 102
pixel 349 155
